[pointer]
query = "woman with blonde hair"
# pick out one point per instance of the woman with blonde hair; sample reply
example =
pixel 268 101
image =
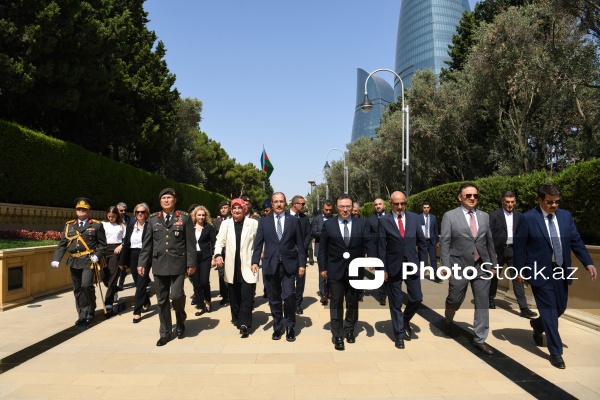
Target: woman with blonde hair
pixel 132 245
pixel 205 244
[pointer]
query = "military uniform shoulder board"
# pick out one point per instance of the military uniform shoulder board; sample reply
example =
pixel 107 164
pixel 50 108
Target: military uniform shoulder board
pixel 96 221
pixel 182 213
pixel 153 215
pixel 70 222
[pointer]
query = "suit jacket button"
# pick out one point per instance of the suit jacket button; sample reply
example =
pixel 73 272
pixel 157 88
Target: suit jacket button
pixel 167 236
pixel 166 251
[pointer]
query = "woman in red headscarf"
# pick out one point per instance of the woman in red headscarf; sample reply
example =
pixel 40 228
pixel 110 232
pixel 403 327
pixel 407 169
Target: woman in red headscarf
pixel 236 236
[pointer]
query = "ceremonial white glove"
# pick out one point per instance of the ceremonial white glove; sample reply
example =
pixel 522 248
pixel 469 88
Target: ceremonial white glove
pixel 94 258
pixel 54 264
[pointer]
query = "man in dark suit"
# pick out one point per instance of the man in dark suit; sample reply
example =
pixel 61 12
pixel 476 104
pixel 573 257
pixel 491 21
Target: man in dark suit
pixel 224 214
pixel 343 239
pixel 170 247
pixel 122 207
pixel 544 240
pixel 503 223
pixel 85 241
pixel 374 225
pixel 296 209
pixel 430 230
pixel 467 241
pixel 315 231
pixel 283 258
pixel 399 236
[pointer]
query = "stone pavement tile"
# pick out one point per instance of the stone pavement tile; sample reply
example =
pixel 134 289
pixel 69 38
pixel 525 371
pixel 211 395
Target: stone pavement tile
pixel 145 358
pixel 218 358
pixel 232 379
pixel 34 378
pixel 461 376
pixel 382 378
pixel 578 390
pixel 46 391
pixel 391 355
pixel 336 367
pixel 294 358
pixel 522 396
pixel 317 378
pixel 501 386
pixel 68 347
pixel 437 389
pixel 7 388
pixel 323 346
pixel 253 392
pixel 254 369
pixel 428 365
pixel 342 392
pixel 151 392
pixel 593 385
pixel 273 346
pixel 189 369
pixel 114 379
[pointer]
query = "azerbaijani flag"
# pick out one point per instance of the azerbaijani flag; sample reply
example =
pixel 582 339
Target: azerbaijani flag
pixel 265 164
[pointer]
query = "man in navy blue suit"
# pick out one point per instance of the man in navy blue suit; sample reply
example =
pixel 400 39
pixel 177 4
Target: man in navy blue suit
pixel 543 242
pixel 430 230
pixel 399 235
pixel 343 238
pixel 283 258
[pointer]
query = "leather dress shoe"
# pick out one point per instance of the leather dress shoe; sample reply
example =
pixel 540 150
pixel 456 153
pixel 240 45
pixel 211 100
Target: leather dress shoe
pixel 290 335
pixel 137 320
pixel 537 335
pixel 483 347
pixel 109 313
pixel 407 330
pixel 382 302
pixel 163 340
pixel 276 335
pixel 492 304
pixel 350 338
pixel 180 330
pixel 338 343
pixel 299 311
pixel 244 331
pixel 527 313
pixel 80 321
pixel 89 317
pixel 324 300
pixel 447 328
pixel 399 343
pixel 557 361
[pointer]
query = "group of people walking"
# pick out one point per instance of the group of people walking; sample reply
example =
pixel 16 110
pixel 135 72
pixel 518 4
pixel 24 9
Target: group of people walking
pixel 175 244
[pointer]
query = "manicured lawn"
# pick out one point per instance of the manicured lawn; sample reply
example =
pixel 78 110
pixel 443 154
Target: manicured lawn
pixel 18 243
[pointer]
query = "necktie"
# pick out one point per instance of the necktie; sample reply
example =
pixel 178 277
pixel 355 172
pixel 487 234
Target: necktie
pixel 346 233
pixel 167 218
pixel 558 255
pixel 473 226
pixel 401 226
pixel 81 224
pixel 279 229
pixel 427 226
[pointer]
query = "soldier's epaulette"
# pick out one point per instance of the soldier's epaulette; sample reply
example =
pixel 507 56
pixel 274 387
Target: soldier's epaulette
pixel 154 215
pixel 183 213
pixel 70 222
pixel 96 221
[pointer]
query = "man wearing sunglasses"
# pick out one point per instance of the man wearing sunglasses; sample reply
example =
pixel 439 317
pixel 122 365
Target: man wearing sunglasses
pixel 544 240
pixel 467 241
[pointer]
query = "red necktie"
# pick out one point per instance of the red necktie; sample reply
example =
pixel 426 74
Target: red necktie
pixel 401 226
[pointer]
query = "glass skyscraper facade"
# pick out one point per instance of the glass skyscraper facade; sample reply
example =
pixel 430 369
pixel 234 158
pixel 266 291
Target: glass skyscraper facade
pixel 425 30
pixel 380 93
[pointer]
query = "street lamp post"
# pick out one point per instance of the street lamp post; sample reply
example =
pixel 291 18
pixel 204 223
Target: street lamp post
pixel 326 170
pixel 367 106
pixel 312 183
pixel 327 167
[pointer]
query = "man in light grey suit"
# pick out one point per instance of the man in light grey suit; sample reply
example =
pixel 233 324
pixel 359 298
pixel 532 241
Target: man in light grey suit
pixel 467 242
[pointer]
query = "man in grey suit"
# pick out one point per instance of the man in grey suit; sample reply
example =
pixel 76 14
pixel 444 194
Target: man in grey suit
pixel 170 244
pixel 503 223
pixel 467 243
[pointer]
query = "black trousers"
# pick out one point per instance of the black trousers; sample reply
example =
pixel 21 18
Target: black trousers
pixel 282 295
pixel 241 295
pixel 201 280
pixel 84 291
pixel 340 291
pixel 112 261
pixel 142 297
pixel 506 258
pixel 300 284
pixel 173 285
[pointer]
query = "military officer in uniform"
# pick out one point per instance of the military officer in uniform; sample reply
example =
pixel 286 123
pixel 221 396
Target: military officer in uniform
pixel 85 240
pixel 171 244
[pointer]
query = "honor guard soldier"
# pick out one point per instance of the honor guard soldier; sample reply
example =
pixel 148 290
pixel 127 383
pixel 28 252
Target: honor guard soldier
pixel 85 241
pixel 170 242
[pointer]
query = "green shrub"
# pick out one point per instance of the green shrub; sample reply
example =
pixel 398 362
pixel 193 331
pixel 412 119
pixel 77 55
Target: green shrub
pixel 40 170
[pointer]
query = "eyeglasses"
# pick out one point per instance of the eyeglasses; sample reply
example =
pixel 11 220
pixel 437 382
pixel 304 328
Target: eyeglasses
pixel 402 203
pixel 551 202
pixel 302 204
pixel 469 195
pixel 344 207
pixel 122 211
pixel 141 212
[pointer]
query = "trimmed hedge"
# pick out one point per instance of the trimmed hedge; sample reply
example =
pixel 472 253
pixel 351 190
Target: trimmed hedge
pixel 39 170
pixel 579 185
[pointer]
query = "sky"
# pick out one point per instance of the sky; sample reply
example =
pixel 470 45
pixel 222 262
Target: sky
pixel 275 73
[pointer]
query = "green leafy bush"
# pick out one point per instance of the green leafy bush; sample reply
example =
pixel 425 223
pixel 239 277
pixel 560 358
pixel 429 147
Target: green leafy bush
pixel 40 170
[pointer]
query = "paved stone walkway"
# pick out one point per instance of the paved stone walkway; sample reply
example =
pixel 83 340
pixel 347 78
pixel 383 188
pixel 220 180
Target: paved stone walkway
pixel 116 359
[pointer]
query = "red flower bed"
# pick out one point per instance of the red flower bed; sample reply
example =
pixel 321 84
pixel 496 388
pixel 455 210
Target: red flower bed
pixel 30 235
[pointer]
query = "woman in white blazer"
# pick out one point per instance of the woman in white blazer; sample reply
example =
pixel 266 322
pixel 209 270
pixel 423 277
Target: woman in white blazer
pixel 236 237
